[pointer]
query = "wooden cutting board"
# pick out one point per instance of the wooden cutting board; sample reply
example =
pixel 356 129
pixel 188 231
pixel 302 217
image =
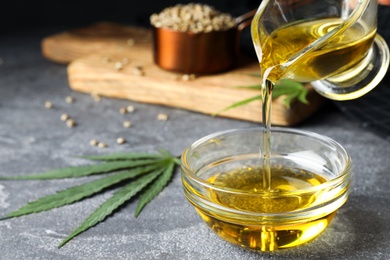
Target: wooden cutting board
pixel 114 68
pixel 67 46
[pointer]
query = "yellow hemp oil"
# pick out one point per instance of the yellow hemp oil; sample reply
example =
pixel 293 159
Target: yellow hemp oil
pixel 242 190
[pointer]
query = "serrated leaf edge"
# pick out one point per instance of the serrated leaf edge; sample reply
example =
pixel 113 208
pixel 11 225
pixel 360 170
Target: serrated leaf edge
pixel 84 170
pixel 109 206
pixel 77 193
pixel 149 193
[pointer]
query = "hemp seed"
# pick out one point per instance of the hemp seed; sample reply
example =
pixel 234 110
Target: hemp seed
pixel 138 71
pixel 70 123
pixel 196 18
pixel 120 140
pixel 96 97
pixel 48 105
pixel 64 117
pixel 188 77
pixel 93 142
pixel 162 117
pixel 123 110
pixel 69 99
pixel 127 124
pixel 118 66
pixel 130 109
pixel 102 145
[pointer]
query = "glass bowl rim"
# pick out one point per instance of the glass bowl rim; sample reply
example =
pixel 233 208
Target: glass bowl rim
pixel 342 176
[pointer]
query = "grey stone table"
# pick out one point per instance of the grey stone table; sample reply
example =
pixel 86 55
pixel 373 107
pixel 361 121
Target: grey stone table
pixel 34 139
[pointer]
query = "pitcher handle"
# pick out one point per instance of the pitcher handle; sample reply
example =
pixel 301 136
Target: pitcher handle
pixel 243 21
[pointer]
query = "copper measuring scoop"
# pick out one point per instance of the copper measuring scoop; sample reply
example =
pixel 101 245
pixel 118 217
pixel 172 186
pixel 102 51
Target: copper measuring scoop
pixel 199 53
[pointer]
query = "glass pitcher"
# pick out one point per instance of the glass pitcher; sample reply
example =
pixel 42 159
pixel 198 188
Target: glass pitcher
pixel 333 44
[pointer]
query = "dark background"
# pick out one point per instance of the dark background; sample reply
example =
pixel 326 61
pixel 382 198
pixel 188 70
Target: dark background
pixel 19 16
pixel 26 15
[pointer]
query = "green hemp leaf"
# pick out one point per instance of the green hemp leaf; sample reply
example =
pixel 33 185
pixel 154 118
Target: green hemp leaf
pixel 284 87
pixel 136 173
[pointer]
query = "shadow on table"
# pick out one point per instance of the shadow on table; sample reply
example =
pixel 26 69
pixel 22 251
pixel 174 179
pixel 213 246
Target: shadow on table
pixel 356 232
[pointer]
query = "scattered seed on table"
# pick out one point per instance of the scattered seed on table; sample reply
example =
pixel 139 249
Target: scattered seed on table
pixel 69 99
pixel 94 142
pixel 102 145
pixel 130 109
pixel 96 97
pixel 118 66
pixel 70 123
pixel 162 117
pixel 188 77
pixel 120 140
pixel 48 104
pixel 138 71
pixel 127 124
pixel 122 110
pixel 64 117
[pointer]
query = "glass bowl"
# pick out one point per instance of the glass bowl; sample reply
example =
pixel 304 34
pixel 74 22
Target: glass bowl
pixel 222 179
